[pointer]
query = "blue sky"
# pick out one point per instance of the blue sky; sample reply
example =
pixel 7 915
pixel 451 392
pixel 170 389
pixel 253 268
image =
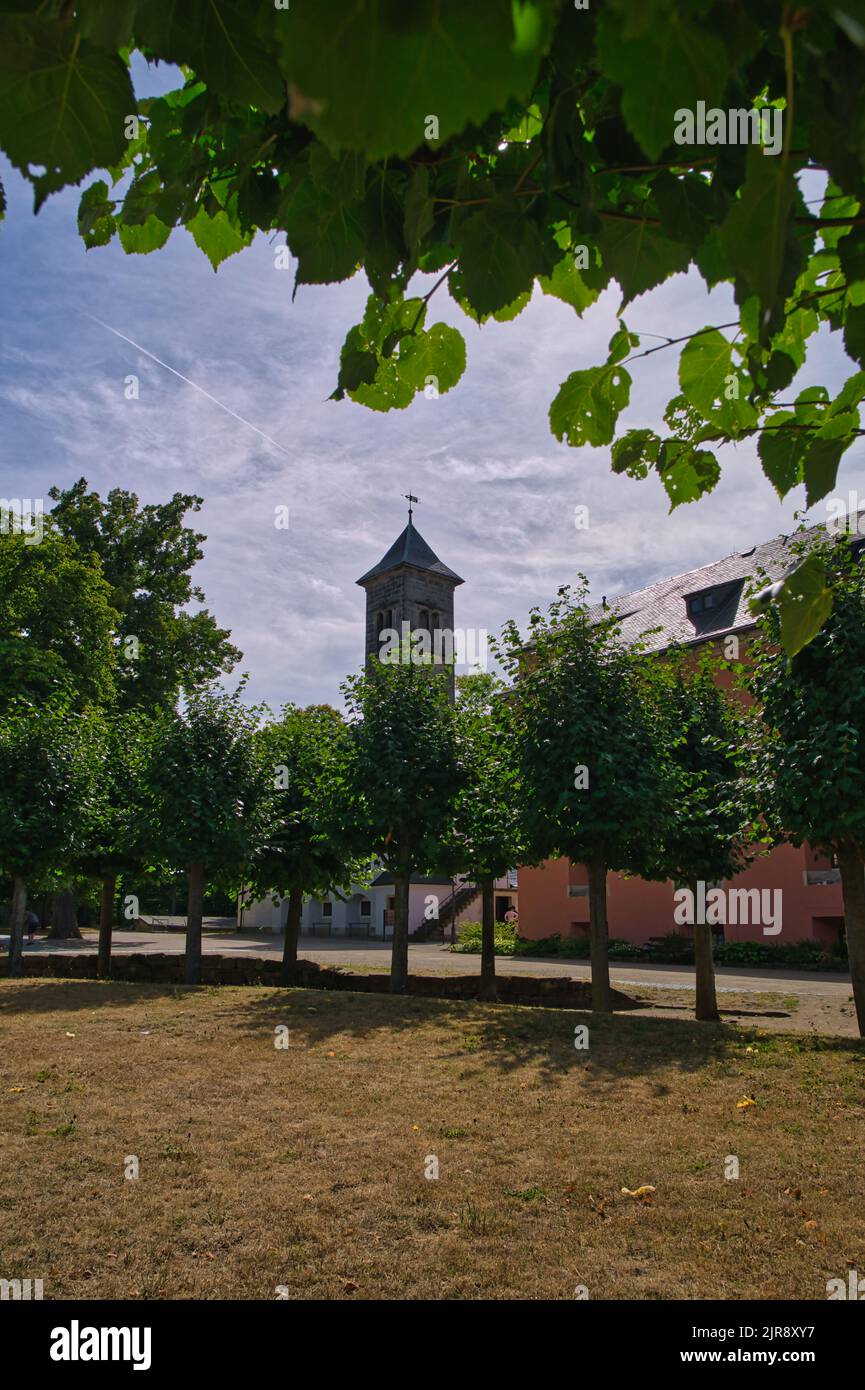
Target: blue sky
pixel 497 492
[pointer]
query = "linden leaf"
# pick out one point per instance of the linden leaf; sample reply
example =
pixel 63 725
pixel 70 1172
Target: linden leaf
pixel 216 236
pixel 672 65
pixel 386 78
pixel 781 452
pixel 438 353
pixel 711 384
pixel 588 404
pixel 638 255
pixel 63 101
pixel 804 603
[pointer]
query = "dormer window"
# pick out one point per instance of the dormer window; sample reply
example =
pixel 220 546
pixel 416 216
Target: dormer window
pixel 709 599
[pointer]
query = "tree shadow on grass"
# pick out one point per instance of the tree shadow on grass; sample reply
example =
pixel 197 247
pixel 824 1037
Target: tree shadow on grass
pixel 504 1037
pixel 49 994
pixel 509 1037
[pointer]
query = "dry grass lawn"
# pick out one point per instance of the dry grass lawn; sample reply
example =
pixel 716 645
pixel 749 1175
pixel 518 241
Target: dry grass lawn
pixel 303 1168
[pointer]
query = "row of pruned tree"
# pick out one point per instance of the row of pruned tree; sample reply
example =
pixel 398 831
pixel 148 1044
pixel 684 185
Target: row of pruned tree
pixel 587 748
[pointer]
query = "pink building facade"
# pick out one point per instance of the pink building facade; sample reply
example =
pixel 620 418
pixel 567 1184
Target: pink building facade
pixel 554 901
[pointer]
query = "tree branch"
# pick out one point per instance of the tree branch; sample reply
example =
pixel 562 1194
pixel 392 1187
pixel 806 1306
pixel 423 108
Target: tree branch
pixel 686 337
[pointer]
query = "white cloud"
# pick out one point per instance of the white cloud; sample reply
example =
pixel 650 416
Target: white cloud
pixel 497 491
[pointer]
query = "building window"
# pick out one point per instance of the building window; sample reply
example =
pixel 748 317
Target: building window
pixel 700 602
pixel 327 909
pixel 366 908
pixel 423 619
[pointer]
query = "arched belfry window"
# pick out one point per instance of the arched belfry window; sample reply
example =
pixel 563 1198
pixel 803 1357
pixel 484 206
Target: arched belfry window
pixel 423 619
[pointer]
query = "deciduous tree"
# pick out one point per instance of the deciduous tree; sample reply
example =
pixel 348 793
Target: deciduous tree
pixel 57 621
pixel 146 555
pixel 593 761
pixel 487 813
pixel 309 846
pixel 403 778
pixel 706 837
pixel 51 758
pixel 207 792
pixel 808 745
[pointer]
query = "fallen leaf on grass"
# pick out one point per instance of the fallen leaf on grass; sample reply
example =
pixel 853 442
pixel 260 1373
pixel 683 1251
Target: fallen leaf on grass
pixel 16 1090
pixel 599 1207
pixel 643 1191
pixel 745 1102
pixel 349 1286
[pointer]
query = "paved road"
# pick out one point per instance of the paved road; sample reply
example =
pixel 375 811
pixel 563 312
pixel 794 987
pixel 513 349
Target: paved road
pixel 431 958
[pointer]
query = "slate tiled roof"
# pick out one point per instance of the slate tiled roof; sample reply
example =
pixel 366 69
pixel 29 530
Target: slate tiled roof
pixel 661 610
pixel 410 549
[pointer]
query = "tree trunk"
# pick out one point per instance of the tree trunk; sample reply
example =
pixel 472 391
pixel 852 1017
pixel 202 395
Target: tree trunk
pixel 488 940
pixel 292 933
pixel 194 912
pixel 601 1002
pixel 706 1009
pixel 64 921
pixel 16 928
pixel 106 925
pixel 399 950
pixel 852 866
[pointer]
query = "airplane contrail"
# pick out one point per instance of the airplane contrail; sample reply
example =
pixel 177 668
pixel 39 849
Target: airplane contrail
pixel 194 385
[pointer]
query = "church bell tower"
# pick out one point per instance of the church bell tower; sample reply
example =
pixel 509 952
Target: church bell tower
pixel 409 585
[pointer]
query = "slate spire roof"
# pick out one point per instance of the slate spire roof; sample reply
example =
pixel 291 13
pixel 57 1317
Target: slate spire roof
pixel 410 549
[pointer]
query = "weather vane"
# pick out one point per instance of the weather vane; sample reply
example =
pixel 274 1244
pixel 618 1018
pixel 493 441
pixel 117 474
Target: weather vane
pixel 410 497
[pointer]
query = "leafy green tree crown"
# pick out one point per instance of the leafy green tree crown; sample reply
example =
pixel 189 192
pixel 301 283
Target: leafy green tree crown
pixel 57 621
pixel 311 840
pixel 404 766
pixel 808 746
pixel 51 758
pixel 146 556
pixel 207 784
pixel 591 738
pixel 708 835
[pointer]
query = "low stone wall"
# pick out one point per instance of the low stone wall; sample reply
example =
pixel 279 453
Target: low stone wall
pixel 549 991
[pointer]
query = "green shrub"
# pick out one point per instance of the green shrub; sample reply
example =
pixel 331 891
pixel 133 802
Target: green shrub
pixel 625 950
pixel 506 941
pixel 804 954
pixel 674 949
